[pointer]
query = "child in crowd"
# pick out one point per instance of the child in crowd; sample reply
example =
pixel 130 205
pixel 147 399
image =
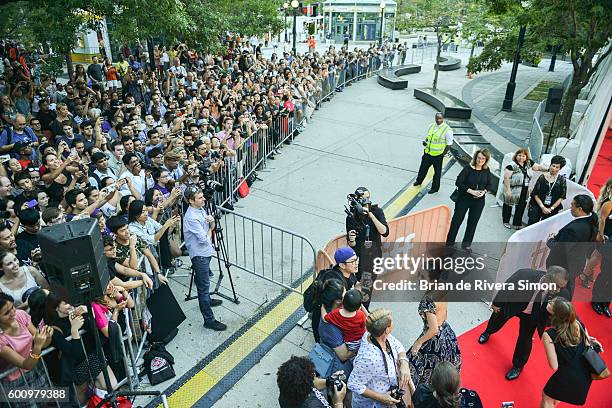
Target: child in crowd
pixel 350 319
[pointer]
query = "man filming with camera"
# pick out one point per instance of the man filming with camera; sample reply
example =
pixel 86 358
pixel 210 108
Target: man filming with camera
pixel 365 225
pixel 197 227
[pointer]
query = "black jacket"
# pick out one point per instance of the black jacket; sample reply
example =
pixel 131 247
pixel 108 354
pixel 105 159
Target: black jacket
pixel 513 302
pixel 571 246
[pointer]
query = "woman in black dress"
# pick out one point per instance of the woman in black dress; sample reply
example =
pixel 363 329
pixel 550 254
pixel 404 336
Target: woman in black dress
pixel 564 344
pixel 473 183
pixel 548 193
pixel 437 342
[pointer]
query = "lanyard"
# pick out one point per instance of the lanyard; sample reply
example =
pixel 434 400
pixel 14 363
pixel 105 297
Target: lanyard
pixel 389 352
pixel 550 187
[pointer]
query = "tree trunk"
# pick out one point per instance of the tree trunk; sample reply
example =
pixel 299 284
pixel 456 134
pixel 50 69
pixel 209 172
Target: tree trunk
pixel 567 108
pixel 436 67
pixel 69 64
pixel 472 51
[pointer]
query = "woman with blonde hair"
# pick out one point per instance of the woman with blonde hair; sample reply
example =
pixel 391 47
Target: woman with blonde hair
pixel 473 183
pixel 517 177
pixel 381 366
pixel 564 344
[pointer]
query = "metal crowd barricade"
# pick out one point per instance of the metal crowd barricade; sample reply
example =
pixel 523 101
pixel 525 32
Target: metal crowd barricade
pixel 254 151
pixel 4 398
pixel 267 251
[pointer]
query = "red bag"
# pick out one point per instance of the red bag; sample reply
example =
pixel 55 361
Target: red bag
pixel 122 402
pixel 243 188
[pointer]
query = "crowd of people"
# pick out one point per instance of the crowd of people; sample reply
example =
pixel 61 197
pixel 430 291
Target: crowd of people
pixel 132 143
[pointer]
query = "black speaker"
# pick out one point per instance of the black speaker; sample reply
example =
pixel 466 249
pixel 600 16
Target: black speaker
pixel 553 102
pixel 73 257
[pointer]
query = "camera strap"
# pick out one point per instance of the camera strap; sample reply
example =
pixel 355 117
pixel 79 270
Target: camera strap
pixel 389 352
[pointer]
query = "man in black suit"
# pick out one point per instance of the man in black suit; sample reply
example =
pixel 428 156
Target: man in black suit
pixel 529 306
pixel 572 245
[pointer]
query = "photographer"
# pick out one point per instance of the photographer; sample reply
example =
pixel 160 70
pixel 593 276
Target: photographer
pixel 299 388
pixel 197 226
pixel 364 231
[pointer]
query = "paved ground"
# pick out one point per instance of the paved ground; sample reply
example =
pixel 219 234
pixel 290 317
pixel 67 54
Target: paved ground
pixel 367 135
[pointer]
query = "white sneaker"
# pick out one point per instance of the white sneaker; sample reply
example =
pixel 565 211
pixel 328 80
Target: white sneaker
pixel 507 225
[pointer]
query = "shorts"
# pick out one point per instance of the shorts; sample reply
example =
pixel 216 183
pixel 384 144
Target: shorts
pixel 113 83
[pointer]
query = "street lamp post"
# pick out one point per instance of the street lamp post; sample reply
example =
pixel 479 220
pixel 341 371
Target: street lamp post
pixel 508 99
pixel 285 8
pixel 382 17
pixel 294 5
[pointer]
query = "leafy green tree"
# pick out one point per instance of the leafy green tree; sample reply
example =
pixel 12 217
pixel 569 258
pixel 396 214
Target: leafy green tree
pixel 579 28
pixel 444 17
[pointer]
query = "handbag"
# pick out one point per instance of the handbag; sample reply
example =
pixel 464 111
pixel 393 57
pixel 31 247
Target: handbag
pixel 599 370
pixel 323 359
pixel 455 195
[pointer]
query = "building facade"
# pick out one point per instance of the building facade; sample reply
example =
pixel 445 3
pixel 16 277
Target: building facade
pixel 359 19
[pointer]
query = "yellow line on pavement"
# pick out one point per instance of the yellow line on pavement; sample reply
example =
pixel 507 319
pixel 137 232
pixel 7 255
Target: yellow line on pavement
pixel 392 210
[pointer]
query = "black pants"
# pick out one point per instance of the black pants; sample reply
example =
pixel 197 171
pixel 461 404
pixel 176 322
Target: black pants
pixel 462 206
pixel 316 319
pixel 518 212
pixel 536 214
pixel 527 327
pixel 602 289
pixel 426 162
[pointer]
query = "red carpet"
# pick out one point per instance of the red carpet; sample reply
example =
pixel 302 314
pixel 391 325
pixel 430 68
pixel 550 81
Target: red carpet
pixel 603 166
pixel 485 365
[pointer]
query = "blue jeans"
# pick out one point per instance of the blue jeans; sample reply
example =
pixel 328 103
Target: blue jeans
pixel 201 270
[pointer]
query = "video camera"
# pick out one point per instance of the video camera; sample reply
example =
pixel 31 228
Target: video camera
pixel 356 205
pixel 208 185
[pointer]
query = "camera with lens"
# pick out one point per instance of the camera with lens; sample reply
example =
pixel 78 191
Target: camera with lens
pixel 333 382
pixel 208 186
pixel 397 393
pixel 355 209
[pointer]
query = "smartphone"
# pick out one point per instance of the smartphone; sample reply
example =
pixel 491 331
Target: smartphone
pixel 73 151
pixel 32 203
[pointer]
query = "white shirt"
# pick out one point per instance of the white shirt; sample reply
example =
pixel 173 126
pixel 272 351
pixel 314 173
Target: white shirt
pixel 369 371
pixel 138 181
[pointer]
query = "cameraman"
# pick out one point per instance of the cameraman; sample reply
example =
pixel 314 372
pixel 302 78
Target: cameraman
pixel 364 232
pixel 299 387
pixel 197 226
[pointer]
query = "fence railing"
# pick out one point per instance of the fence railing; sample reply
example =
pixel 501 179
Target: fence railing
pixel 254 152
pixel 268 251
pixel 536 135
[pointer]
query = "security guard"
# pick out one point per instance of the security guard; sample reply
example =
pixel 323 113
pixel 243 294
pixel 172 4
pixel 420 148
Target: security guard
pixel 438 142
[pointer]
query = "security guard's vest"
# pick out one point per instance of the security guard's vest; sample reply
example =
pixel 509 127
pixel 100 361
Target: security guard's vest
pixel 436 140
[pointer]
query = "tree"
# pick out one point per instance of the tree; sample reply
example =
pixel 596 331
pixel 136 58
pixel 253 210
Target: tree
pixel 444 17
pixel 580 28
pixel 202 23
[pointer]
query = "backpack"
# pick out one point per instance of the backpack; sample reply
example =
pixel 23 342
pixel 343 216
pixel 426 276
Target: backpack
pixel 158 364
pixel 310 302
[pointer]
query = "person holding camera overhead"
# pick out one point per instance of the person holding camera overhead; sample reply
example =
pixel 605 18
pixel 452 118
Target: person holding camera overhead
pixel 364 231
pixel 437 144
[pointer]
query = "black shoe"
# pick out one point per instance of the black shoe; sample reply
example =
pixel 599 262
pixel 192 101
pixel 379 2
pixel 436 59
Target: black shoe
pixel 606 311
pixel 271 157
pixel 513 374
pixel 416 184
pixel 484 337
pixel 215 325
pixel 215 302
pixel 432 191
pixel 467 249
pixel 597 308
pixel 228 206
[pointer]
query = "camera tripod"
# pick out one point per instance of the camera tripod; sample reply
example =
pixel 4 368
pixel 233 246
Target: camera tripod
pixel 221 250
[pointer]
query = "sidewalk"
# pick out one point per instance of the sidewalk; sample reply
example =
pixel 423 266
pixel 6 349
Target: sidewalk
pixel 485 93
pixel 368 135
